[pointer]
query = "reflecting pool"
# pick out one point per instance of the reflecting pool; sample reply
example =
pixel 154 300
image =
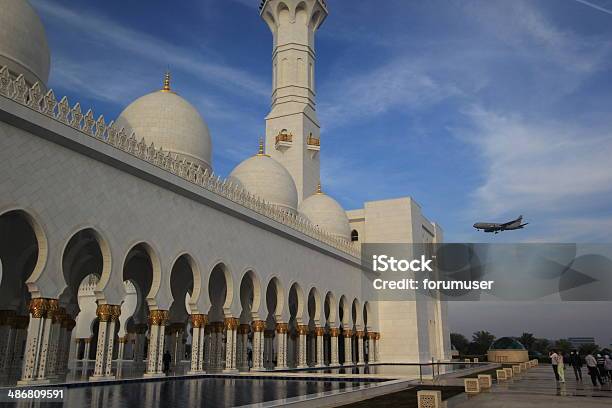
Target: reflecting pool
pixel 200 392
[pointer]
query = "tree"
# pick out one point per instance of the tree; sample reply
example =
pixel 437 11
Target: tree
pixel 527 340
pixel 481 341
pixel 541 346
pixel 563 345
pixel 460 342
pixel 588 349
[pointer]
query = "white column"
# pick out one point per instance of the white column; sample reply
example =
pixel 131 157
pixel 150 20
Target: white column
pixel 348 354
pixel 360 359
pixel 319 331
pixel 231 325
pixel 258 346
pixel 281 345
pixel 157 324
pixel 121 347
pixel 108 315
pixel 34 365
pixel 372 350
pixel 197 343
pixel 334 332
pixel 302 331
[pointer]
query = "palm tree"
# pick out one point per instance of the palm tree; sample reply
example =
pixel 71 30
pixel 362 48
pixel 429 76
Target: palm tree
pixel 481 341
pixel 459 342
pixel 527 340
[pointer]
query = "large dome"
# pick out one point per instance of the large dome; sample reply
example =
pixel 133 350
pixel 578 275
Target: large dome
pixel 506 343
pixel 172 123
pixel 324 211
pixel 266 178
pixel 23 43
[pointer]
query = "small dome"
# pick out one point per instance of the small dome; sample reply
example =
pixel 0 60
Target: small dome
pixel 170 122
pixel 324 211
pixel 23 43
pixel 266 178
pixel 506 343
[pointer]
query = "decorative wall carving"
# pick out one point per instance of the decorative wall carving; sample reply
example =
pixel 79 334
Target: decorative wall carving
pixel 48 105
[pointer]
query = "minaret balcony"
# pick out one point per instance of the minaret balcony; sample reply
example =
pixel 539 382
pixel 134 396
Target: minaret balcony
pixel 313 143
pixel 283 140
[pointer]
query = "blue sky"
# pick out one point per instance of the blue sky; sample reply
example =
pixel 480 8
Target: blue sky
pixel 479 110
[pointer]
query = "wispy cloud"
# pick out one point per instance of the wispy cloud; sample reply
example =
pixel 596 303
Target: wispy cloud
pixel 399 83
pixel 145 48
pixel 595 6
pixel 549 170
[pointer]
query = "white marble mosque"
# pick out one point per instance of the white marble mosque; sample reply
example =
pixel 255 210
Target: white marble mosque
pixel 118 241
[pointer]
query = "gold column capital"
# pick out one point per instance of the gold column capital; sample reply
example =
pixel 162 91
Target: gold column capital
pixel 158 317
pixel 319 331
pixel 302 329
pixel 198 320
pixel 360 334
pixel 259 325
pixel 282 327
pixel 38 307
pixel 230 323
pixel 334 332
pixel 347 333
pixel 105 312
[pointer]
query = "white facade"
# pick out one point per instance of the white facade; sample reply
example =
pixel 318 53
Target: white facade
pixel 100 225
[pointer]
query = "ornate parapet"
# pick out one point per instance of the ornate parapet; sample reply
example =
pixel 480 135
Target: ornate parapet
pixel 47 104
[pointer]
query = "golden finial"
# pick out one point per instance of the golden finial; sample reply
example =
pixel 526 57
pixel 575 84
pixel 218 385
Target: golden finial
pixel 261 148
pixel 319 188
pixel 166 87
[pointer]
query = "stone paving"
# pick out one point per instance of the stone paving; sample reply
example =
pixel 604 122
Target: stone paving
pixel 538 388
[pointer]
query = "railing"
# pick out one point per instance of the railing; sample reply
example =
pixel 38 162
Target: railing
pixel 283 136
pixel 313 141
pixel 47 104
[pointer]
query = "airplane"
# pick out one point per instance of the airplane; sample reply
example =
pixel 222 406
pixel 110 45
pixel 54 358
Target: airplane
pixel 495 227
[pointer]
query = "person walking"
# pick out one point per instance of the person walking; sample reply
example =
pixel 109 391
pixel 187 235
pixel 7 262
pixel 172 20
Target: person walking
pixel 600 367
pixel 576 362
pixel 167 359
pixel 591 364
pixel 561 367
pixel 554 361
pixel 608 367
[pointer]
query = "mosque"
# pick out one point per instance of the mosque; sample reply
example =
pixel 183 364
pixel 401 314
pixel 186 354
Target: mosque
pixel 118 241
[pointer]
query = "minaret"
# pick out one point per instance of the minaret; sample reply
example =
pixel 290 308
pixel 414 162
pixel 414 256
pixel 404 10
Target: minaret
pixel 292 127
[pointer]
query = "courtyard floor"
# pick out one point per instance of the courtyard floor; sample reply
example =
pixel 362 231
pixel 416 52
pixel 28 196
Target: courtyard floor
pixel 534 389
